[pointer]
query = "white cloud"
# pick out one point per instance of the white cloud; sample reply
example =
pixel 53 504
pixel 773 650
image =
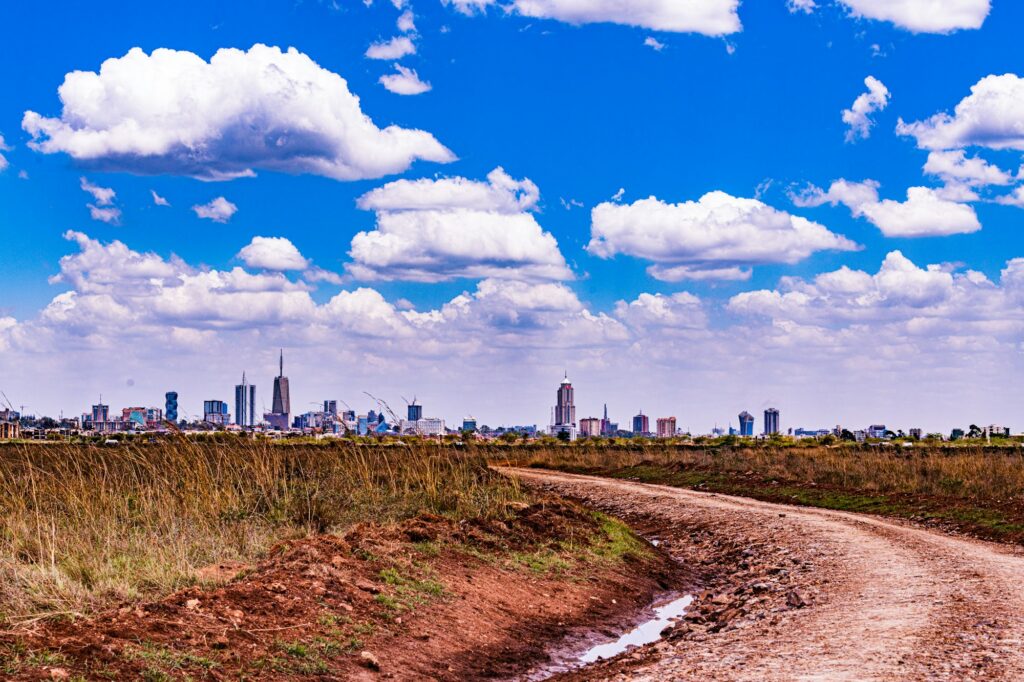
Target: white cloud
pixel 680 310
pixel 1015 198
pixel 218 210
pixel 3 159
pixel 106 214
pixel 159 200
pixel 104 196
pixel 710 17
pixel 404 81
pixel 683 273
pixel 173 112
pixel 925 213
pixel 407 22
pixel 434 230
pixel 715 235
pixel 396 48
pixel 654 44
pixel 805 6
pixel 923 16
pixel 954 167
pixel 859 115
pixel 272 253
pixel 991 116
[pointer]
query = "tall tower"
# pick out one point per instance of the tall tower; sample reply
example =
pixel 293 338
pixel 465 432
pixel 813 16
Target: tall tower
pixel 245 403
pixel 746 423
pixel 771 421
pixel 282 396
pixel 565 409
pixel 171 406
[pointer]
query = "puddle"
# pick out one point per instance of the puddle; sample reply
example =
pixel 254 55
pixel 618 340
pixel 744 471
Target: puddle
pixel 645 633
pixel 658 616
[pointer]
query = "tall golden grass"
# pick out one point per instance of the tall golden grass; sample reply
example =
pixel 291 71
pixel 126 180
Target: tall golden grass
pixel 82 526
pixel 987 474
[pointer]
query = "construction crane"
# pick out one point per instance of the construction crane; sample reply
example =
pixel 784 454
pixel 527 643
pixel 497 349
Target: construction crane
pixel 385 407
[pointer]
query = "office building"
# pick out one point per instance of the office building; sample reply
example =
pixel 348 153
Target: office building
pixel 666 427
pixel 915 433
pixel 746 424
pixel 245 404
pixel 641 424
pixel 281 406
pixel 427 426
pixel 171 406
pixel 606 424
pixel 469 424
pixel 100 413
pixel 331 407
pixel 134 417
pixel 563 423
pixel 414 412
pixel 590 427
pixel 771 421
pixel 876 431
pixel 216 412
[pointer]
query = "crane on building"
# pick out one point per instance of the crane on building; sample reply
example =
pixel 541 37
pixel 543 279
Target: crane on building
pixel 383 405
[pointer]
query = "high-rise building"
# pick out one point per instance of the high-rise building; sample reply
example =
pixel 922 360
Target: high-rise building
pixel 606 429
pixel 590 427
pixel 171 406
pixel 666 427
pixel 245 403
pixel 564 417
pixel 134 417
pixel 469 424
pixel 414 412
pixel 641 424
pixel 280 414
pixel 746 423
pixel 100 413
pixel 331 407
pixel 771 421
pixel 216 412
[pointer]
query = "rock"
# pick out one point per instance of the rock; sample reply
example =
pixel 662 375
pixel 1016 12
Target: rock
pixel 277 587
pixel 192 605
pixel 368 587
pixel 219 642
pixel 368 660
pixel 796 600
pixel 59 674
pixel 759 588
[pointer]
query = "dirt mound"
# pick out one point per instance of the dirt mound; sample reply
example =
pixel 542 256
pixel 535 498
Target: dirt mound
pixel 431 598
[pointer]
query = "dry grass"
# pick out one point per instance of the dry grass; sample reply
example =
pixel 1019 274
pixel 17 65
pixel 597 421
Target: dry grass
pixel 82 526
pixel 978 474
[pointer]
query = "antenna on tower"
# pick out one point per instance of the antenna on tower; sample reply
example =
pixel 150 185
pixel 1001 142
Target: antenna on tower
pixel 281 374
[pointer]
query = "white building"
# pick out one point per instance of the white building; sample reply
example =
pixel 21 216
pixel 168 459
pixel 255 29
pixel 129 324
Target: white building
pixel 428 426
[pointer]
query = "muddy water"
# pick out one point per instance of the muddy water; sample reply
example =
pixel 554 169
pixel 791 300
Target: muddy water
pixel 665 610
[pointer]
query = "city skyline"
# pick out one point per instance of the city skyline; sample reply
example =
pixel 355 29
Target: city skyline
pixel 804 205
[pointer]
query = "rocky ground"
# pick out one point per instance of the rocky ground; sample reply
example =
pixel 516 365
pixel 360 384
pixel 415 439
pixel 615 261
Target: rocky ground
pixel 805 594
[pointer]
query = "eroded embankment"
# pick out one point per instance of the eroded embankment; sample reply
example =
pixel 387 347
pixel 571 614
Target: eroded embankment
pixel 427 599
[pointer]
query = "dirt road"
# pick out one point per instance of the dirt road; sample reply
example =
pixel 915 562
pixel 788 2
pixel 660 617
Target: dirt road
pixel 808 594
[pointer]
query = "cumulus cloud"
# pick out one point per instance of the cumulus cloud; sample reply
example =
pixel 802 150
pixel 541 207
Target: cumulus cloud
pixel 991 116
pixel 407 22
pixel 272 253
pixel 681 310
pixel 710 17
pixel 859 115
pixel 396 48
pixel 923 16
pixel 925 213
pixel 1015 198
pixel 954 167
pixel 173 112
pixel 404 81
pixel 714 235
pixel 218 210
pixel 159 200
pixel 434 230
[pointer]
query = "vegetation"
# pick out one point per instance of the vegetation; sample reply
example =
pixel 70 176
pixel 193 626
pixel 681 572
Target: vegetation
pixel 84 525
pixel 977 490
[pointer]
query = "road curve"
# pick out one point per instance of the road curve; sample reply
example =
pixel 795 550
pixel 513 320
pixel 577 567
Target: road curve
pixel 886 601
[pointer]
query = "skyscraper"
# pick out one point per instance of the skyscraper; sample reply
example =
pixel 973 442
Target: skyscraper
pixel 564 417
pixel 280 415
pixel 746 423
pixel 245 403
pixel 666 427
pixel 641 424
pixel 414 412
pixel 171 406
pixel 331 407
pixel 771 421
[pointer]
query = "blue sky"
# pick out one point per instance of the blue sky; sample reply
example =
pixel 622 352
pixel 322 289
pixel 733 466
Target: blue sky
pixel 580 109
